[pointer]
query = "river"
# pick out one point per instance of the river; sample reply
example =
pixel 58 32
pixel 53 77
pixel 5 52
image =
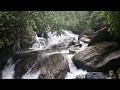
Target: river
pixel 43 44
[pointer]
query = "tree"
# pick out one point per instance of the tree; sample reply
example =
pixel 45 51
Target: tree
pixel 97 20
pixel 113 19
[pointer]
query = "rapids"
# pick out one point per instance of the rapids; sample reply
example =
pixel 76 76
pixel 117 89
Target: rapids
pixel 43 44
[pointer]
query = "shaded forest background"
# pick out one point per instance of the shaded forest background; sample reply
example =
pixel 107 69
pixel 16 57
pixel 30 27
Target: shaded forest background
pixel 21 24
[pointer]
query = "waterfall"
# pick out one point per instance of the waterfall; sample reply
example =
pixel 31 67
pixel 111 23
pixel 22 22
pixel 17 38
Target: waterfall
pixel 43 44
pixel 40 43
pixel 74 72
pixel 54 39
pixel 8 71
pixel 29 75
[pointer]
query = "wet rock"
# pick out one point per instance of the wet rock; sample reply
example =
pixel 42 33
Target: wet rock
pixel 78 45
pixel 0 74
pixel 100 57
pixel 26 61
pixel 87 33
pixel 94 75
pixel 103 35
pixel 5 53
pixel 118 73
pixel 54 66
pixel 61 46
pixel 84 39
pixel 73 50
pixel 72 43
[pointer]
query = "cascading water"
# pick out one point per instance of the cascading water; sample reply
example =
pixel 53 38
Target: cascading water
pixel 43 44
pixel 40 43
pixel 29 75
pixel 74 72
pixel 8 71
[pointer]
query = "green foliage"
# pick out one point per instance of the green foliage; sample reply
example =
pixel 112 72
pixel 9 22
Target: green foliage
pixel 110 74
pixel 97 20
pixel 13 25
pixel 79 21
pixel 113 19
pixel 20 24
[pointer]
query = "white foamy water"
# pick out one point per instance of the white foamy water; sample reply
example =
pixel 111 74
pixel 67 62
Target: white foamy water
pixel 62 52
pixel 84 46
pixel 41 44
pixel 29 75
pixel 74 72
pixel 8 71
pixel 53 40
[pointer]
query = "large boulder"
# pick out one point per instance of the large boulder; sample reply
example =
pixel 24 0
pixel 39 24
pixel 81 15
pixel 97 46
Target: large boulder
pixel 54 66
pixel 26 61
pixel 102 35
pixel 100 57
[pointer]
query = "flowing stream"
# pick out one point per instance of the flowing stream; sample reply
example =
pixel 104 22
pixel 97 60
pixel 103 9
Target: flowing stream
pixel 43 44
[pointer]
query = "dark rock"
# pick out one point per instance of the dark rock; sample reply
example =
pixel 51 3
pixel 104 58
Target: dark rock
pixel 61 46
pixel 94 75
pixel 58 47
pixel 100 57
pixel 118 73
pixel 43 34
pixel 5 53
pixel 102 35
pixel 52 67
pixel 78 45
pixel 0 74
pixel 72 43
pixel 27 60
pixel 73 50
pixel 88 33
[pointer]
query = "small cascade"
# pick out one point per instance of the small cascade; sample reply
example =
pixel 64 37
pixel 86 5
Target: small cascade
pixel 40 43
pixel 74 72
pixel 29 75
pixel 55 40
pixel 43 44
pixel 65 37
pixel 8 71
